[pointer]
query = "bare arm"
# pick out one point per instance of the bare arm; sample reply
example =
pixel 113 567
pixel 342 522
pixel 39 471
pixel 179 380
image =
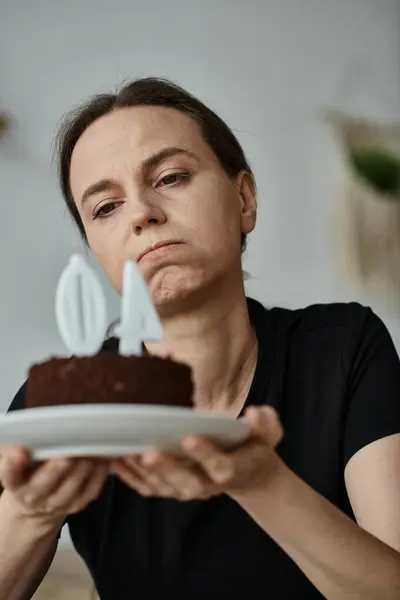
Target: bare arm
pixel 342 559
pixel 33 507
pixel 372 480
pixel 27 548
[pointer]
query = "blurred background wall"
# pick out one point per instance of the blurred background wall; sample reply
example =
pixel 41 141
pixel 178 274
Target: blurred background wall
pixel 267 66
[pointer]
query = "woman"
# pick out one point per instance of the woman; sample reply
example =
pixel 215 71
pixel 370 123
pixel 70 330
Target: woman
pixel 309 506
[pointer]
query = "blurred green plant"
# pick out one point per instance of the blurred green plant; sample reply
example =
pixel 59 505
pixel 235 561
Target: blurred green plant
pixel 378 168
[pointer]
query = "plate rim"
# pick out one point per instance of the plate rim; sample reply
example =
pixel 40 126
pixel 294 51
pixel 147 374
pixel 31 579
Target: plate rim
pixel 45 413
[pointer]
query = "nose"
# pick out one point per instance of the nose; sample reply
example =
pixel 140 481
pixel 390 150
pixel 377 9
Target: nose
pixel 145 215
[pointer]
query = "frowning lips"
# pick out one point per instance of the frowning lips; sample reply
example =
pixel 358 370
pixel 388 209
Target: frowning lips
pixel 157 246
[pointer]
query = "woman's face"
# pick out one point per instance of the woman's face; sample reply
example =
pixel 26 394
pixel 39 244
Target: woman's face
pixel 142 176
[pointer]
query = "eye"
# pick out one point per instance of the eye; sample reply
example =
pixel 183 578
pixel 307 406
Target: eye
pixel 172 179
pixel 105 210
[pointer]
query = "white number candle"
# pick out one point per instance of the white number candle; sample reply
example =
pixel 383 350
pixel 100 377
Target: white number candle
pixel 139 319
pixel 81 309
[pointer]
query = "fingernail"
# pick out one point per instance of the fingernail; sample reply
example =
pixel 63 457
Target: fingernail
pixel 15 455
pixel 148 459
pixel 151 457
pixel 190 443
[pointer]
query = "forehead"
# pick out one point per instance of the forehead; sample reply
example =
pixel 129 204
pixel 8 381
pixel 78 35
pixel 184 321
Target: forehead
pixel 138 131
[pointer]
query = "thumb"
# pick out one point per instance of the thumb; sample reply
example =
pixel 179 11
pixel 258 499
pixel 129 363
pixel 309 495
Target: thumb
pixel 265 423
pixel 15 464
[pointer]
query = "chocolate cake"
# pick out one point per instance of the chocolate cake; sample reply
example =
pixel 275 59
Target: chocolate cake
pixel 109 378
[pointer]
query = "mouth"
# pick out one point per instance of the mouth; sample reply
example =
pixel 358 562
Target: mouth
pixel 158 248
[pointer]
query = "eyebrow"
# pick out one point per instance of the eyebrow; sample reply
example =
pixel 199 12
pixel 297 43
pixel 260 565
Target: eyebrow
pixel 149 163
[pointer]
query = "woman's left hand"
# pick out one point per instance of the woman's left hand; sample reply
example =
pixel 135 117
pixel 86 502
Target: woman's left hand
pixel 211 471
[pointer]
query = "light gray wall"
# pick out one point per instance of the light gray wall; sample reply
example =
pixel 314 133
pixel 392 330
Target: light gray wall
pixel 267 66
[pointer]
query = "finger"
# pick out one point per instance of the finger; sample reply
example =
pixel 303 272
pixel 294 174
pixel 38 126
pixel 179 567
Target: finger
pixel 218 465
pixel 15 466
pixel 91 488
pixel 232 471
pixel 264 423
pixel 148 469
pixel 46 479
pixel 186 482
pixel 71 486
pixel 131 477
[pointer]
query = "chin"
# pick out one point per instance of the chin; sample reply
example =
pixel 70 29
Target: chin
pixel 172 288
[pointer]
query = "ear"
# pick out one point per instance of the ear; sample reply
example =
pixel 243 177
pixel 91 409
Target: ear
pixel 248 201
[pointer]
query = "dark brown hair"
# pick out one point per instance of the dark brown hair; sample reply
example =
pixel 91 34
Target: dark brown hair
pixel 151 92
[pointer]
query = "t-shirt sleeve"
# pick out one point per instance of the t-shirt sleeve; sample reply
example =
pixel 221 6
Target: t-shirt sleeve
pixel 18 402
pixel 373 409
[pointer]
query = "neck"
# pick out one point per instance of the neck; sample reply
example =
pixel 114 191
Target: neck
pixel 216 339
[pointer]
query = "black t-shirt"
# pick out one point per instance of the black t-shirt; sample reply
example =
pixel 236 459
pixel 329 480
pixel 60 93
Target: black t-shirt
pixel 333 373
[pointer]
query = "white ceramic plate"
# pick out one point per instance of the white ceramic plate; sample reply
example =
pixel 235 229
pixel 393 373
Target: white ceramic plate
pixel 113 429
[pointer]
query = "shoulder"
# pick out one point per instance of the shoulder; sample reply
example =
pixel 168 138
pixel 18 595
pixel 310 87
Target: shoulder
pixel 359 325
pixel 351 316
pixel 351 324
pixel 322 329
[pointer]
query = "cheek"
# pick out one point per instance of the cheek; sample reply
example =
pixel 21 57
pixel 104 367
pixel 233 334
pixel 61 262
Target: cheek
pixel 217 225
pixel 107 255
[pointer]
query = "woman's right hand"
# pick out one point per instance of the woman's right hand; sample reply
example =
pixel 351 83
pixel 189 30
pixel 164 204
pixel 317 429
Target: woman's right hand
pixel 51 490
